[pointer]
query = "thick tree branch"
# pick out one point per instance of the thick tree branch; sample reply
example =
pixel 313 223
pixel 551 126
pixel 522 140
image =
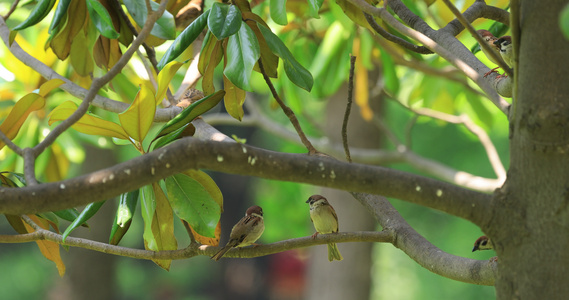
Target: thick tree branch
pixel 234 158
pixel 360 155
pixel 421 250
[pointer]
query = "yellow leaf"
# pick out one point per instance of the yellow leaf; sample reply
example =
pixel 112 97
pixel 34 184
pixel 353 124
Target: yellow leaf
pixel 19 114
pixel 234 99
pixel 211 187
pixel 164 79
pixel 49 249
pixel 163 226
pixel 214 59
pixel 76 19
pixel 138 118
pixel 80 56
pixel 88 124
pixel 48 86
pixel 361 84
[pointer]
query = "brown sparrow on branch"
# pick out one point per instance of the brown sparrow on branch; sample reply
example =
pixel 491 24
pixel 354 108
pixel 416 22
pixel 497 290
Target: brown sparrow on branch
pixel 325 220
pixel 489 38
pixel 245 232
pixel 505 45
pixel 483 243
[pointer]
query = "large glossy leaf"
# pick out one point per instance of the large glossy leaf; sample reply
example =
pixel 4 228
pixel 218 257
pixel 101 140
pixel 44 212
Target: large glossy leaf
pixel 60 41
pixel 269 59
pixel 164 78
pixel 163 226
pixel 294 70
pixel 19 113
pixel 148 207
pixel 184 131
pixel 242 53
pixel 138 118
pixel 60 14
pixel 234 99
pixel 123 217
pixel 184 40
pixel 190 113
pixel 207 182
pixel 80 56
pixel 40 11
pixel 224 20
pixel 89 211
pixel 164 28
pixel 211 54
pixel 101 18
pixel 277 9
pixel 49 249
pixel 193 203
pixel 88 124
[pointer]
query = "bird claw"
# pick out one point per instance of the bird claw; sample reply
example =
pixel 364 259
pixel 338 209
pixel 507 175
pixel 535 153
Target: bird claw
pixel 494 259
pixel 491 71
pixel 315 235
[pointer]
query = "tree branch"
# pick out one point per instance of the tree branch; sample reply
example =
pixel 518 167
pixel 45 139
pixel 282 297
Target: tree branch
pixel 421 250
pixel 361 155
pixel 234 158
pixel 348 108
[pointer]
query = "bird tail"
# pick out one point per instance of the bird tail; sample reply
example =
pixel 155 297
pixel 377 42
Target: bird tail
pixel 220 253
pixel 334 253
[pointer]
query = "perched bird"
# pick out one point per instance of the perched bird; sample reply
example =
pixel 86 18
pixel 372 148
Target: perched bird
pixel 325 220
pixel 245 232
pixel 505 45
pixel 483 243
pixel 489 38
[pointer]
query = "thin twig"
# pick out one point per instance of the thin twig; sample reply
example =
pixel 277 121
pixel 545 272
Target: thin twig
pixel 12 9
pixel 395 39
pixel 348 108
pixel 288 112
pixel 478 38
pixel 10 144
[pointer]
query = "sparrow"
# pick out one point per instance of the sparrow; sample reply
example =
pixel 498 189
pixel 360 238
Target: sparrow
pixel 489 38
pixel 245 232
pixel 483 243
pixel 505 45
pixel 325 220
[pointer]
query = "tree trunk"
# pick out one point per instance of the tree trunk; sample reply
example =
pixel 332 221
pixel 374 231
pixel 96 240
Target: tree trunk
pixel 531 216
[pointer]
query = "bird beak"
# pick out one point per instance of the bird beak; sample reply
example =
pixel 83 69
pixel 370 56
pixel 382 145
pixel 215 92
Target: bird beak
pixel 474 249
pixel 308 201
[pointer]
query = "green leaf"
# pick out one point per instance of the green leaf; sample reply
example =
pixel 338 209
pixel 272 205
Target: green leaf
pixel 192 203
pixel 190 113
pixel 164 28
pixel 85 215
pixel 314 7
pixel 148 207
pixel 60 14
pixel 242 54
pixel 564 21
pixel 224 20
pixel 184 40
pixel 278 11
pixel 138 118
pixel 69 215
pixel 186 130
pixel 391 79
pixel 294 70
pixel 123 217
pixel 39 12
pixel 101 18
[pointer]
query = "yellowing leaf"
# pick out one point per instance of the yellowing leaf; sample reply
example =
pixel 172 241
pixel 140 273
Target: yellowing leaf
pixel 49 249
pixel 88 124
pixel 361 84
pixel 163 226
pixel 50 85
pixel 234 99
pixel 211 187
pixel 164 79
pixel 138 118
pixel 19 114
pixel 80 56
